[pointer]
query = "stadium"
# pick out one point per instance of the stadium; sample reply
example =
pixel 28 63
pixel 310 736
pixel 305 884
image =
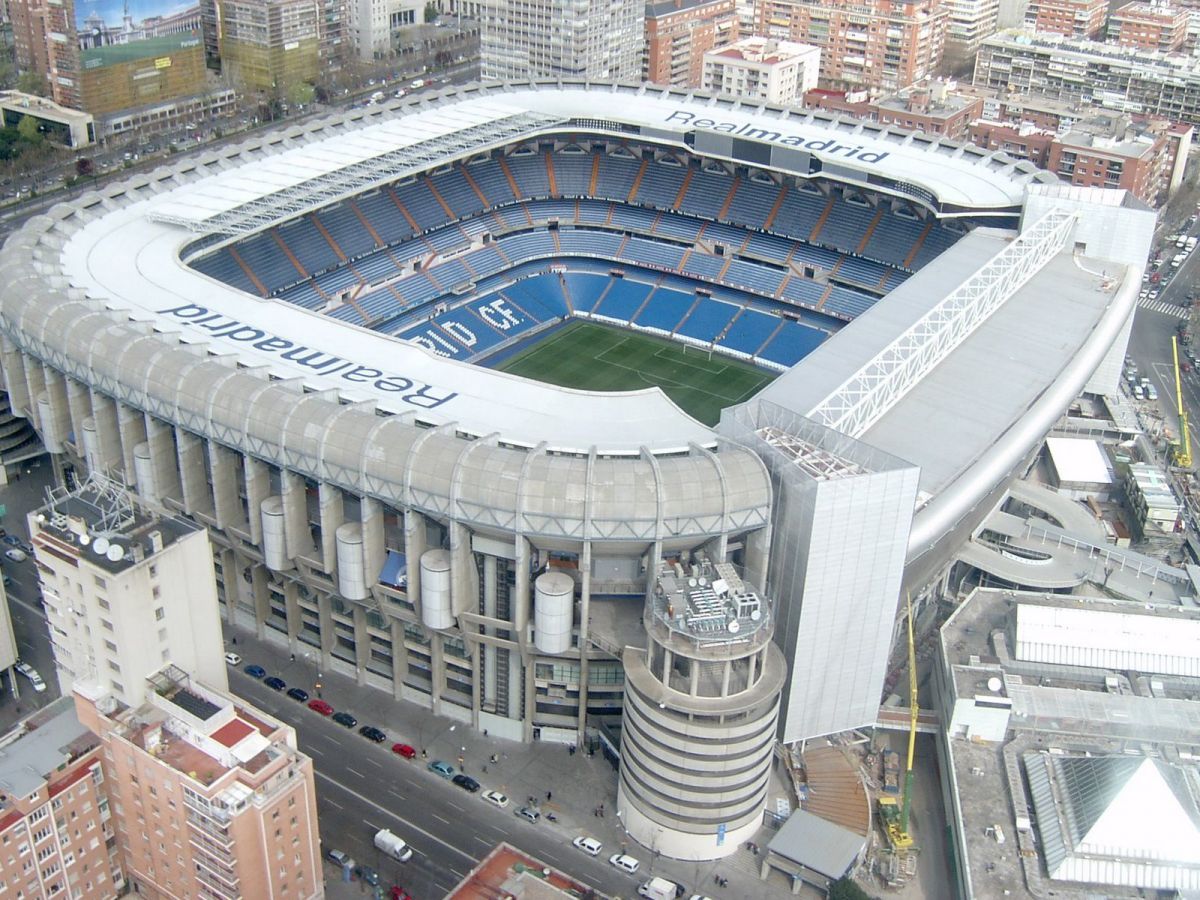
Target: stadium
pixel 580 413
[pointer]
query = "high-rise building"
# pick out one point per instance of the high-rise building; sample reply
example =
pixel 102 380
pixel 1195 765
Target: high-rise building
pixel 57 838
pixel 887 44
pixel 763 69
pixel 1070 18
pixel 271 45
pixel 126 590
pixel 680 32
pixel 562 39
pixel 970 22
pixel 211 797
pixel 1164 85
pixel 147 71
pixel 1149 26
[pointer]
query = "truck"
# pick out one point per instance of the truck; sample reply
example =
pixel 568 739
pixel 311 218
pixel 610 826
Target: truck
pixel 393 846
pixel 660 889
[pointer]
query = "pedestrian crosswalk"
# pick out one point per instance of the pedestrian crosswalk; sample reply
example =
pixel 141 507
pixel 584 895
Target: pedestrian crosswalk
pixel 1167 309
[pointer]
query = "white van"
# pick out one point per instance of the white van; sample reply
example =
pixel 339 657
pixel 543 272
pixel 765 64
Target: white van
pixel 393 846
pixel 624 862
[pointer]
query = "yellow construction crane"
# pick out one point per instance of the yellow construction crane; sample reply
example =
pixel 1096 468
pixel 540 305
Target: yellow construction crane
pixel 1181 450
pixel 913 711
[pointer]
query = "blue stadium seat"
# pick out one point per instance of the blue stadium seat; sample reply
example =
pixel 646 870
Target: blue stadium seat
pixel 750 331
pixel 530 174
pixel 845 226
pixel 671 225
pixel 268 262
pixel 865 272
pixel 385 217
pixel 799 214
pixel 540 296
pixel 589 243
pixel 706 193
pixel 432 337
pixel 937 241
pixel 660 185
pixel 759 278
pixel 421 204
pixel 703 265
pixel 801 290
pixel 593 211
pixel 454 189
pixel 792 343
pixel 707 319
pixel 665 309
pixel 223 267
pixel 893 239
pixel 346 229
pixel 513 216
pixel 616 177
pixel 752 203
pixel 504 316
pixel 572 173
pixel 847 302
pixel 667 256
pixel 623 299
pixel 633 217
pixel 489 177
pixel 585 289
pixel 769 246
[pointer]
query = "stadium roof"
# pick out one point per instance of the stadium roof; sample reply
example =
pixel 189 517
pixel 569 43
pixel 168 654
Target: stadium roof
pixel 855 151
pixel 1125 820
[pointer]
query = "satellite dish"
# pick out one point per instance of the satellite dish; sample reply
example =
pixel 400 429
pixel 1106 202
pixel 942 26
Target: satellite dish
pixel 101 545
pixel 691 582
pixel 734 627
pixel 85 539
pixel 40 518
pixel 115 552
pixel 994 684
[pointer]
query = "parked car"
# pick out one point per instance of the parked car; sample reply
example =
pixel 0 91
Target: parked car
pixel 11 539
pixel 32 674
pixel 466 782
pixel 337 857
pixel 367 875
pixel 529 813
pixel 441 768
pixel 16 555
pixel 404 750
pixel 275 683
pixel 495 798
pixel 299 695
pixel 233 659
pixel 320 706
pixel 373 734
pixel 624 862
pixel 343 718
pixel 588 845
pixel 399 893
pixel 255 671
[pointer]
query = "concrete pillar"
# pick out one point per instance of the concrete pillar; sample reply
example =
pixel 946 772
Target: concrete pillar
pixel 291 604
pixel 332 514
pixel 258 488
pixel 756 557
pixel 193 474
pixel 15 381
pixel 79 407
pixel 35 384
pixel 462 571
pixel 131 431
pixel 295 515
pixel 362 643
pixel 519 603
pixel 399 658
pixel 161 439
pixel 260 582
pixel 371 516
pixel 325 623
pixel 585 601
pixel 414 546
pixel 57 412
pixel 487 653
pixel 222 466
pixel 104 414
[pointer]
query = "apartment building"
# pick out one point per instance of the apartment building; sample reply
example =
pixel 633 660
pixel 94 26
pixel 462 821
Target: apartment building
pixel 1149 26
pixel 210 797
pixel 969 22
pixel 126 590
pixel 885 44
pixel 1070 18
pixel 680 32
pixel 562 39
pixel 57 838
pixel 270 46
pixel 934 107
pixel 762 69
pixel 1158 85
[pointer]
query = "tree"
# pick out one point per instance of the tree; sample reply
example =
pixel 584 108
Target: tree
pixel 431 12
pixel 30 132
pixel 300 93
pixel 31 83
pixel 846 889
pixel 84 167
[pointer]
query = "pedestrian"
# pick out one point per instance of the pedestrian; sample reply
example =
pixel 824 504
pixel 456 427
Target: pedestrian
pixel 717 880
pixel 293 656
pixel 485 732
pixel 571 750
pixel 233 641
pixel 424 753
pixel 548 796
pixel 485 770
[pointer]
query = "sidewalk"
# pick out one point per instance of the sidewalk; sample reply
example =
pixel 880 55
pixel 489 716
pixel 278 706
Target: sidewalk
pixel 578 783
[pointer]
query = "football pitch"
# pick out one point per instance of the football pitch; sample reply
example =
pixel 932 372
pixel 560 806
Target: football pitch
pixel 594 357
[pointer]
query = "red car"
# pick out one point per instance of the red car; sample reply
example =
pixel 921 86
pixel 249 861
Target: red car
pixel 321 707
pixel 404 750
pixel 399 893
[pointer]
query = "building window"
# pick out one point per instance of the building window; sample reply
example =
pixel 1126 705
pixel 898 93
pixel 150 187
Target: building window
pixel 100 583
pixel 159 614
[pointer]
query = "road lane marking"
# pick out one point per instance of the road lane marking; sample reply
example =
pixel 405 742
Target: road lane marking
pixel 405 825
pixel 355 772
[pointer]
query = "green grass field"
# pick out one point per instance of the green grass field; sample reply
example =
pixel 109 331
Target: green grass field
pixel 594 357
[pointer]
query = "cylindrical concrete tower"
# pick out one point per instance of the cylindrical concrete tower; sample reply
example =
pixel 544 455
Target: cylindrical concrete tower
pixel 701 704
pixel 553 612
pixel 352 579
pixel 436 611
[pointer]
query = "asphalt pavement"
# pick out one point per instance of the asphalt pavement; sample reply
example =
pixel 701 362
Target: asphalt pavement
pixel 362 787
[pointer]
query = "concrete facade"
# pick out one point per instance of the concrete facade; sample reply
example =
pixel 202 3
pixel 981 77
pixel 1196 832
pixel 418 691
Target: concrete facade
pixel 561 39
pixel 679 33
pixel 760 69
